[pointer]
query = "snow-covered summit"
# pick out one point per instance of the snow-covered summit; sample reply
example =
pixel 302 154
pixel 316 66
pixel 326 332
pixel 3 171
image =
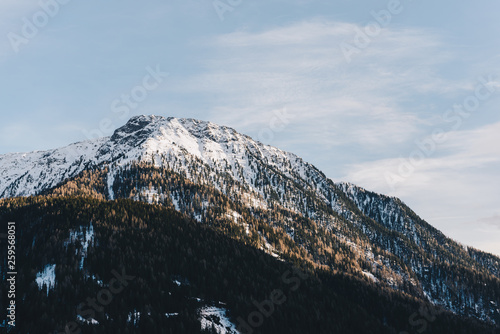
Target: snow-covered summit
pixel 152 138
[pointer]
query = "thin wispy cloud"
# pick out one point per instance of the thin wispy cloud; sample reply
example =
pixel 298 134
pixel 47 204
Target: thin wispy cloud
pixel 461 178
pixel 301 67
pixel 461 151
pixel 491 221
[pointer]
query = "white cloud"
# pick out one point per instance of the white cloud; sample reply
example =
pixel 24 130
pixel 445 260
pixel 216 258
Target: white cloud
pixel 482 233
pixel 456 185
pixel 491 221
pixel 463 150
pixel 301 67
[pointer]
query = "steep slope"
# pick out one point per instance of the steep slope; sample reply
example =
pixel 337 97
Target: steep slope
pixel 437 256
pixel 25 174
pixel 148 269
pixel 277 201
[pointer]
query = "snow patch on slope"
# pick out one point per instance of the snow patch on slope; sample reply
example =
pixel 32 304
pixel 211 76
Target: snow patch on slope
pixel 47 277
pixel 134 317
pixel 370 276
pixel 89 321
pixel 84 237
pixel 216 317
pixel 110 181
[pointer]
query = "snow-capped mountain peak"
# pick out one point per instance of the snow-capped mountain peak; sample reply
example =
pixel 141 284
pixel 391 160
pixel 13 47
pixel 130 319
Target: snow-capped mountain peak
pixel 143 138
pixel 173 161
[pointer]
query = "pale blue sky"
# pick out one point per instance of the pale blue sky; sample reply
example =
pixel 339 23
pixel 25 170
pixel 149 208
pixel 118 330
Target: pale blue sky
pixel 358 119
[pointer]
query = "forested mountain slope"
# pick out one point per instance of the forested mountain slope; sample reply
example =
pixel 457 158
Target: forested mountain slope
pixel 268 199
pixel 129 267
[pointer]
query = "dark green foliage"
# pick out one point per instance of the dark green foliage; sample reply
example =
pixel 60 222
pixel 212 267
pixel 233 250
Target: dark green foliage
pixel 157 246
pixel 405 248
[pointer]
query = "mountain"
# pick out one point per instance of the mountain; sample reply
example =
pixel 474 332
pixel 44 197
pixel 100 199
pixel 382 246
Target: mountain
pixel 268 199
